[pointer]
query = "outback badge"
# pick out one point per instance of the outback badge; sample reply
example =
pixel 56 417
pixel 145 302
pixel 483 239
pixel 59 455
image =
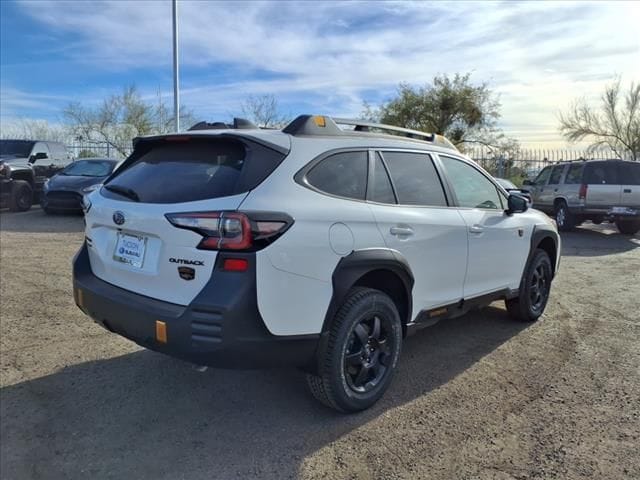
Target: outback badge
pixel 187 273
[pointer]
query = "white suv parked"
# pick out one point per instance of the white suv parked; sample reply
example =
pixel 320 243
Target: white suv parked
pixel 313 246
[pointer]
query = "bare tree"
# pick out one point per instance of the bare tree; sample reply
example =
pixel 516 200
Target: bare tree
pixel 29 129
pixel 120 118
pixel 616 124
pixel 264 111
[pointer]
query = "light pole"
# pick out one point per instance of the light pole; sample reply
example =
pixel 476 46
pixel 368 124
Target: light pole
pixel 176 87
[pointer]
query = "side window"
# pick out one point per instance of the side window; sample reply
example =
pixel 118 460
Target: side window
pixel 415 179
pixel 41 147
pixel 629 173
pixel 601 173
pixel 556 175
pixel 574 175
pixel 381 190
pixel 471 187
pixel 343 174
pixel 543 176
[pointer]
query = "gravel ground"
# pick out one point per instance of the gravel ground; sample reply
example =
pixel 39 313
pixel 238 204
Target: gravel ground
pixel 478 397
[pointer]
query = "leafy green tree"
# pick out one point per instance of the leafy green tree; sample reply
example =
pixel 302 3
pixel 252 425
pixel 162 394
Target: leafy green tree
pixel 616 124
pixel 450 106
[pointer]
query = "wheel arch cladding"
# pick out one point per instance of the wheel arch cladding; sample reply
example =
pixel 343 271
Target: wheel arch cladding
pixel 381 269
pixel 547 240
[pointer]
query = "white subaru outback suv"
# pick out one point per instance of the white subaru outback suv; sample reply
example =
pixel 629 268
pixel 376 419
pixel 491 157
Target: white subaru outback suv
pixel 313 246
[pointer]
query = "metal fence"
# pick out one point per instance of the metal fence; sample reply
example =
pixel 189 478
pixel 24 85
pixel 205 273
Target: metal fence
pixel 527 163
pixel 93 149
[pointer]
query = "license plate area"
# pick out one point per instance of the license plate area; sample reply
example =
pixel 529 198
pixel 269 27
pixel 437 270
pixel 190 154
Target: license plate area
pixel 623 211
pixel 130 249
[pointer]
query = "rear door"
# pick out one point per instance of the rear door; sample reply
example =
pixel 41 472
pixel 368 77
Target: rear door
pixel 539 186
pixel 131 242
pixel 552 190
pixel 603 190
pixel 409 203
pixel 629 175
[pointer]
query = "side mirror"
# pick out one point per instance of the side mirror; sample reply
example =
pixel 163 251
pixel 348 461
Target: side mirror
pixel 528 182
pixel 38 156
pixel 516 204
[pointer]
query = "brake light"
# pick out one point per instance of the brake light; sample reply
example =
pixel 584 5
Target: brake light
pixel 232 230
pixel 235 264
pixel 582 194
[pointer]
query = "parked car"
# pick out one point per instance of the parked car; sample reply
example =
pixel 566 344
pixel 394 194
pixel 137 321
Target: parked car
pixel 64 191
pixel 25 165
pixel 596 190
pixel 510 187
pixel 309 246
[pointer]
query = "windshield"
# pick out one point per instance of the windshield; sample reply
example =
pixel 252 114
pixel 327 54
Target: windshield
pixel 16 148
pixel 89 168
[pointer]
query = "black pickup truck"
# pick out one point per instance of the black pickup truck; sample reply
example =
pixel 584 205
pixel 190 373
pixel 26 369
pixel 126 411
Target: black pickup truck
pixel 24 167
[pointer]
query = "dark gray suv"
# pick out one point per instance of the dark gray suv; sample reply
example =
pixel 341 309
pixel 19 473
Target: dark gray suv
pixel 596 190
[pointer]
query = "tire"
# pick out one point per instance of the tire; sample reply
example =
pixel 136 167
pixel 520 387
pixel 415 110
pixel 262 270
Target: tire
pixel 628 227
pixel 356 362
pixel 21 196
pixel 564 218
pixel 534 289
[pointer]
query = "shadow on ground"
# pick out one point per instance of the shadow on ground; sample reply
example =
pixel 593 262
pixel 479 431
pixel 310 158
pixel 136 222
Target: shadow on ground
pixel 36 221
pixel 144 415
pixel 597 240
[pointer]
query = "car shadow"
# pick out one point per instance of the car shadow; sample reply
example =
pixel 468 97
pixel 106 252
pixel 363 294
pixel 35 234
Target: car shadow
pixel 145 415
pixel 35 220
pixel 592 240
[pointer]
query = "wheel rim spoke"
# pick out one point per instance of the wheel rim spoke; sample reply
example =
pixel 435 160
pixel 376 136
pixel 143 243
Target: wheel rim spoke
pixel 352 359
pixel 362 334
pixel 375 334
pixel 362 376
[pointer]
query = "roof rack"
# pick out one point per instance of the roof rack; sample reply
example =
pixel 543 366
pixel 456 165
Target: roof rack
pixel 324 125
pixel 238 124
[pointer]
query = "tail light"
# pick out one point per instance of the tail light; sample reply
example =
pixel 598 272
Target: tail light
pixel 246 231
pixel 582 194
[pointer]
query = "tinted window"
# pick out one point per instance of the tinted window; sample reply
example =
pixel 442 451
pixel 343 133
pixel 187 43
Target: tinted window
pixel 629 173
pixel 601 173
pixel 543 176
pixel 556 174
pixel 343 174
pixel 381 190
pixel 18 148
pixel 471 187
pixel 574 174
pixel 182 172
pixel 89 168
pixel 415 179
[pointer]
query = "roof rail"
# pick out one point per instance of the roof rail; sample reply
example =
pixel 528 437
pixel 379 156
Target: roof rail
pixel 324 125
pixel 238 124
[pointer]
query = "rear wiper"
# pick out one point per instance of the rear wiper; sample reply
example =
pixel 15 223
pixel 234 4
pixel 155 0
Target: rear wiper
pixel 124 191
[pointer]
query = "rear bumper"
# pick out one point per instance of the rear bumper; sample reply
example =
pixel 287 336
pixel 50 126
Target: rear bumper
pixel 605 212
pixel 222 327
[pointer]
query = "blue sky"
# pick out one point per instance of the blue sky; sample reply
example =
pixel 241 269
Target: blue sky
pixel 316 57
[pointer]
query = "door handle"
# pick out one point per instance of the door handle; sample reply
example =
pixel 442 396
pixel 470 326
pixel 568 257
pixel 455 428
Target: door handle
pixel 627 190
pixel 401 231
pixel 476 229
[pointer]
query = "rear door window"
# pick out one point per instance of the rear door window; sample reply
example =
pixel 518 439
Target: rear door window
pixel 574 174
pixel 543 176
pixel 556 175
pixel 415 179
pixel 629 173
pixel 187 171
pixel 342 174
pixel 601 173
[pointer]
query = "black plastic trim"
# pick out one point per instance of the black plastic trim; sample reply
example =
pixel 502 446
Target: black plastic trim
pixel 356 265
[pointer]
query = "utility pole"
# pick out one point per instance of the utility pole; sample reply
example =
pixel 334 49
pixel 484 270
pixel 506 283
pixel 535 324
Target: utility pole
pixel 176 87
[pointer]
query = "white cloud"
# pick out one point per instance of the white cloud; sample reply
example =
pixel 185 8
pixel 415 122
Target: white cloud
pixel 332 55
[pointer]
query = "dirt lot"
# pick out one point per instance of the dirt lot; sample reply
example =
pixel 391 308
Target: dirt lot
pixel 479 397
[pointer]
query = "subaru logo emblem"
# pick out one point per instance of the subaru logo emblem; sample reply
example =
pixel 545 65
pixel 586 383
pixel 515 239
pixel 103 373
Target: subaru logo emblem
pixel 118 218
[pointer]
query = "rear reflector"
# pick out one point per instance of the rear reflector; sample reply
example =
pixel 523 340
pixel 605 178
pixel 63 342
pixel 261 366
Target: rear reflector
pixel 235 265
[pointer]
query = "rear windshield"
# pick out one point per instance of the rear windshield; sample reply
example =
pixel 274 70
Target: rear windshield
pixel 187 171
